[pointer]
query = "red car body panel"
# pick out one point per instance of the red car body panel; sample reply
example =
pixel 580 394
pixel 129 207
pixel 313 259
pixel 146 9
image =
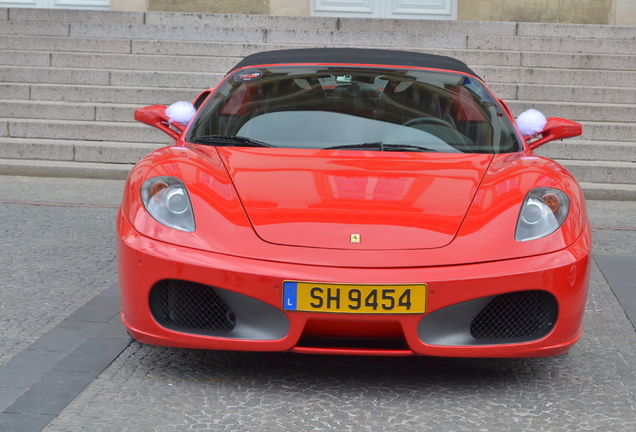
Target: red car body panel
pixel 227 228
pixel 267 215
pixel 316 199
pixel 143 262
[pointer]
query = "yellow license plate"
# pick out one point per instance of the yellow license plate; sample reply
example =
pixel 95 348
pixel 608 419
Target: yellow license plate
pixel 349 298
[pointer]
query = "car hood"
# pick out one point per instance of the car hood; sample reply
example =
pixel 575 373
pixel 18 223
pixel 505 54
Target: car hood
pixel 355 199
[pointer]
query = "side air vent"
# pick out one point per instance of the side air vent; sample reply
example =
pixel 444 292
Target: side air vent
pixel 183 306
pixel 522 314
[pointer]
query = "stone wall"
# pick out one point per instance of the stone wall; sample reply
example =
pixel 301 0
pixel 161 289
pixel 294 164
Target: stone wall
pixel 287 7
pixel 256 7
pixel 615 12
pixel 620 12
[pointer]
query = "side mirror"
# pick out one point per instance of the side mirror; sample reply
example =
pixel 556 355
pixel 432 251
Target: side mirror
pixel 155 115
pixel 556 128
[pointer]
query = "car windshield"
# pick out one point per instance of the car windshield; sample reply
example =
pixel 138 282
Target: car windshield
pixel 322 107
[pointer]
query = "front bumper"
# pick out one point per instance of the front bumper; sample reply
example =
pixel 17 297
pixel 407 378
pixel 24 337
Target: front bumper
pixel 252 289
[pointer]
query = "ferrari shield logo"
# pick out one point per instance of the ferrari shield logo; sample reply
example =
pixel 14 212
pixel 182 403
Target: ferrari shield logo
pixel 355 238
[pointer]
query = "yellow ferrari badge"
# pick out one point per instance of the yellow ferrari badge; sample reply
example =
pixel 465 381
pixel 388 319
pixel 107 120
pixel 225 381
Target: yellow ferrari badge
pixel 355 238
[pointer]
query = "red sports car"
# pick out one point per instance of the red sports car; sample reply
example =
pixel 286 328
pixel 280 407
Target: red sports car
pixel 352 201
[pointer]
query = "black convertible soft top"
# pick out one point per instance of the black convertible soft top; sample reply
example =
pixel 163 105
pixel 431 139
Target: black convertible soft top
pixel 356 56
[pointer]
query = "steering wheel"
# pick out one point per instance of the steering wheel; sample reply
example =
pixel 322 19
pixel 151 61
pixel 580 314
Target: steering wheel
pixel 429 120
pixel 437 121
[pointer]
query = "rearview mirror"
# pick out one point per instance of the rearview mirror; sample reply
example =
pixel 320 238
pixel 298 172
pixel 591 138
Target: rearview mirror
pixel 556 128
pixel 155 115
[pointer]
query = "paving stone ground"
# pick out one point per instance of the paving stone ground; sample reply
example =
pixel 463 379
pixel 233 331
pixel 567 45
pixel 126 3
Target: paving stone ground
pixel 54 259
pixel 59 258
pixel 159 389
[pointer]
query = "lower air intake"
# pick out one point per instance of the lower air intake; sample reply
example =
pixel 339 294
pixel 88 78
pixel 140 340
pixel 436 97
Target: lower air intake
pixel 522 314
pixel 182 305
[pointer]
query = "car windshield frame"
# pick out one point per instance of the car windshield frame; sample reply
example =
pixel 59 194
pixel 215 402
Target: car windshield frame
pixel 346 107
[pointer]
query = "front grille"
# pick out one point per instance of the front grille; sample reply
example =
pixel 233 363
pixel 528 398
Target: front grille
pixel 522 314
pixel 182 305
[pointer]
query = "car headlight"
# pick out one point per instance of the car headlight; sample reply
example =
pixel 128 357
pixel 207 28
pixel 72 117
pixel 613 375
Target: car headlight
pixel 167 201
pixel 542 213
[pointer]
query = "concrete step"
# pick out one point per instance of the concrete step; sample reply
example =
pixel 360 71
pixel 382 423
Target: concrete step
pixel 191 80
pixel 492 66
pixel 64 44
pixel 258 35
pixel 73 15
pixel 608 131
pixel 74 150
pixel 359 37
pixel 35 28
pixel 207 48
pixel 49 75
pixel 60 110
pixel 143 62
pixel 609 191
pixel 155 32
pixel 25 58
pixel 240 50
pixel 271 22
pixel 556 76
pixel 109 77
pixel 115 112
pixel 97 69
pixel 331 24
pixel 15 91
pixel 571 149
pixel 427 26
pixel 514 65
pixel 199 55
pixel 599 112
pixel 535 86
pixel 42 168
pixel 551 44
pixel 192 20
pixel 208 63
pixel 223 64
pixel 82 131
pixel 598 62
pixel 585 31
pixel 601 171
pixel 563 93
pixel 46 110
pixel 141 96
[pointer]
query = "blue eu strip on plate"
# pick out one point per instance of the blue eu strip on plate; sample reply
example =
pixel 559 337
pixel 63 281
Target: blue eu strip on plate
pixel 290 289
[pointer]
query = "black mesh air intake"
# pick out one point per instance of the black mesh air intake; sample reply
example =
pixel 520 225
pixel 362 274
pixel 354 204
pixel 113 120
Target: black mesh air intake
pixel 522 314
pixel 182 305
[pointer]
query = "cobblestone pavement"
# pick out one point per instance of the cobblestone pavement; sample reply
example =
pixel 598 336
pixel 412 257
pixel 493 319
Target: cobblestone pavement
pixel 54 258
pixel 592 388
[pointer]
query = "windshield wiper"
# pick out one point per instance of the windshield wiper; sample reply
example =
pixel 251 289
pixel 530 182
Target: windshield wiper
pixel 382 147
pixel 228 140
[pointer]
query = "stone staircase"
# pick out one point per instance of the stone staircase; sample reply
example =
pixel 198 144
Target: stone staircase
pixel 70 80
